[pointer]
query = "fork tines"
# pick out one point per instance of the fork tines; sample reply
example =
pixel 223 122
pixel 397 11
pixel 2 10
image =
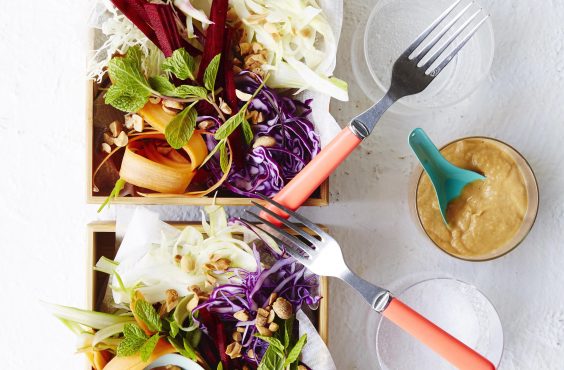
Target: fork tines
pixel 295 247
pixel 431 52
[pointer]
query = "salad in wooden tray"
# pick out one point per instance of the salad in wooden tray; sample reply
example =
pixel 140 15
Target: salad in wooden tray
pixel 222 294
pixel 192 99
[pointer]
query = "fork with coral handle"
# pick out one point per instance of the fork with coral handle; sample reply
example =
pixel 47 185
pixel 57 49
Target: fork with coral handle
pixel 323 256
pixel 412 72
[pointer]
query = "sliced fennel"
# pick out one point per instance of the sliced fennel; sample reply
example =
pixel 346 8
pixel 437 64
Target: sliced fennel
pixel 155 264
pixel 301 44
pixel 90 319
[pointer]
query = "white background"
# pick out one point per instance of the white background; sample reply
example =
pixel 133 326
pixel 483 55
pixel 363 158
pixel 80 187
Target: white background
pixel 42 186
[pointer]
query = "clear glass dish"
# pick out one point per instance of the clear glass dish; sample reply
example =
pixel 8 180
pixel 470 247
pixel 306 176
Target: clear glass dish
pixel 457 307
pixel 528 220
pixel 391 27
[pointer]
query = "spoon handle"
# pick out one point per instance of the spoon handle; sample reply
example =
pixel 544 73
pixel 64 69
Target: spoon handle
pixel 427 153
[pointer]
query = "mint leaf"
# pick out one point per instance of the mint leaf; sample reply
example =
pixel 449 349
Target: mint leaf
pixel 126 99
pixel 294 353
pixel 180 129
pixel 148 315
pixel 271 360
pixel 166 88
pixel 220 366
pixel 230 125
pixel 148 347
pixel 274 343
pixel 162 85
pixel 174 328
pixel 223 159
pixel 130 89
pixel 191 353
pixel 134 331
pixel 118 187
pixel 288 328
pixel 210 74
pixel 185 91
pixel 181 64
pixel 212 153
pixel 133 340
pixel 247 131
pixel 181 349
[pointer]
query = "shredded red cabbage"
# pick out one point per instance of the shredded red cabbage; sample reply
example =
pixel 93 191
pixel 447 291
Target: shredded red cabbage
pixel 267 169
pixel 251 290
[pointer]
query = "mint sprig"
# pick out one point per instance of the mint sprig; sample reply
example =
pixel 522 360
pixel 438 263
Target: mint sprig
pixel 210 74
pixel 281 352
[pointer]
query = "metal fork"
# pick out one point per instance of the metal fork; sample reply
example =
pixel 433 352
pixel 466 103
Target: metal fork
pixel 323 256
pixel 409 76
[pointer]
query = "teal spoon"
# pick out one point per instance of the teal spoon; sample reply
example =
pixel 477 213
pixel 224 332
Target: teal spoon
pixel 447 179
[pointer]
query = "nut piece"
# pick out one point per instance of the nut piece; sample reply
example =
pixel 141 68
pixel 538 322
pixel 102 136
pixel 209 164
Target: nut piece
pixel 187 263
pixel 240 329
pixel 116 128
pixel 261 321
pixel 155 99
pixel 272 298
pixel 302 367
pixel 108 139
pixel 171 299
pixel 237 337
pixel 262 312
pixel 224 107
pixel 243 96
pixel 283 308
pixel 234 350
pixel 241 315
pixel 266 141
pixel 135 121
pixel 172 106
pixel 106 148
pixel 273 327
pixel 222 264
pixel 264 331
pixel 121 140
pixel 271 316
pixel 206 124
pixel 251 353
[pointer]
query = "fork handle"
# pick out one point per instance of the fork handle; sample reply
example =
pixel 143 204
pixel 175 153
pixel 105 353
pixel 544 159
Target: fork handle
pixel 296 192
pixel 444 344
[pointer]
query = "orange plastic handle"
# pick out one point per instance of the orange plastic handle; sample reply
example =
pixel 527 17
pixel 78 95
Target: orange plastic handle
pixel 296 192
pixel 444 344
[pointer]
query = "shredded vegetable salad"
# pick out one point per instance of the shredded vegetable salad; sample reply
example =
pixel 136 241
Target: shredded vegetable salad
pixel 217 295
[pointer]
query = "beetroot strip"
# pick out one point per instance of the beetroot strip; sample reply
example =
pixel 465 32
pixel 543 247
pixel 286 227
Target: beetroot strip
pixel 214 35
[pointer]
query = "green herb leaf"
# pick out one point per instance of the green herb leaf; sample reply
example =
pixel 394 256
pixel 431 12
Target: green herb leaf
pixel 181 348
pixel 148 347
pixel 133 340
pixel 210 74
pixel 220 366
pixel 271 360
pixel 273 343
pixel 118 187
pixel 148 315
pixel 130 89
pixel 223 158
pixel 124 99
pixel 186 91
pixel 188 349
pixel 166 88
pixel 174 328
pixel 162 85
pixel 181 64
pixel 247 131
pixel 212 153
pixel 230 125
pixel 294 353
pixel 181 127
pixel 288 328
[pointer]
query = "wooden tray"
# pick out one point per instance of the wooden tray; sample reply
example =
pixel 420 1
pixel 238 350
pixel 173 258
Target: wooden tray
pixel 94 132
pixel 101 242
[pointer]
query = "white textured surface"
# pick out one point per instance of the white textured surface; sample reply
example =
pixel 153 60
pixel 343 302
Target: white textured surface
pixel 42 238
